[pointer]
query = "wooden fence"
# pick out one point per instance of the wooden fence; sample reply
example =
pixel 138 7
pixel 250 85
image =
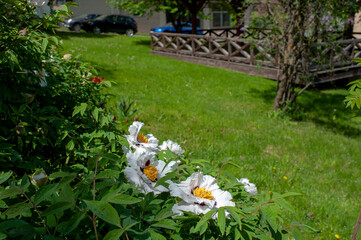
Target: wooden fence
pixel 326 62
pixel 232 33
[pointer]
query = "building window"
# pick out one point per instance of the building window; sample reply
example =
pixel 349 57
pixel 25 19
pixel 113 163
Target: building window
pixel 221 19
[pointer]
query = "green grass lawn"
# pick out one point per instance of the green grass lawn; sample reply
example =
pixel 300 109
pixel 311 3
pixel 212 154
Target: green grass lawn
pixel 222 115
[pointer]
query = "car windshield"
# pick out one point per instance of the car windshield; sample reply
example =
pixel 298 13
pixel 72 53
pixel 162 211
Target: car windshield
pixel 101 17
pixel 92 16
pixel 81 16
pixel 184 24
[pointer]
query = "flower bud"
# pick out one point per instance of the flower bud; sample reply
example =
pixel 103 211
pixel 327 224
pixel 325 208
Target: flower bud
pixel 20 129
pixel 67 57
pixel 28 97
pixel 39 178
pixel 23 32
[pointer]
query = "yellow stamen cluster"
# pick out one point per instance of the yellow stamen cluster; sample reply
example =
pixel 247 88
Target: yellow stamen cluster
pixel 203 193
pixel 151 172
pixel 141 138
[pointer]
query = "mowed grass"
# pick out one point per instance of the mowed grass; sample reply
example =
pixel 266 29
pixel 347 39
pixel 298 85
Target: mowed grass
pixel 222 115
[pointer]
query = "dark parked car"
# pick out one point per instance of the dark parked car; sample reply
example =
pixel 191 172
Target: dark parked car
pixel 186 28
pixel 75 23
pixel 111 23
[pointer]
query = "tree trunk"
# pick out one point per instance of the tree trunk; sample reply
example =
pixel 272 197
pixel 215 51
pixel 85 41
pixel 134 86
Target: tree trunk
pixel 194 23
pixel 348 31
pixel 239 23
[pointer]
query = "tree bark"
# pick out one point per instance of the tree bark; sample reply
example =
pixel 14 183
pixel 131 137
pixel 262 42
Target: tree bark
pixel 194 6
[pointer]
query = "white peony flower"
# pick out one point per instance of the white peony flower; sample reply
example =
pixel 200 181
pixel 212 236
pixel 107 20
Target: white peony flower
pixel 172 146
pixel 41 7
pixel 249 187
pixel 144 172
pixel 138 140
pixel 200 194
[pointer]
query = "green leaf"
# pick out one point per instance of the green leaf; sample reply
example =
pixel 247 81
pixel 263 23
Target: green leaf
pixel 70 146
pixel 17 209
pixel 237 234
pixel 11 192
pixel 235 216
pixel 5 176
pixel 166 223
pixel 310 229
pixel 3 204
pixel 60 175
pixel 104 121
pixel 5 225
pixel 270 213
pixel 156 236
pixel 222 220
pixel 162 181
pixel 57 207
pixel 44 192
pixel 2 236
pixel 205 218
pixel 72 224
pixel 123 141
pixel 129 223
pixel 114 234
pixel 156 202
pixel 284 204
pixel 80 109
pixel 164 213
pixel 44 44
pixel 25 183
pixel 104 211
pixel 296 233
pixel 95 114
pixel 67 193
pixel 108 173
pixel 111 156
pixel 124 199
pixel 289 194
pixel 203 228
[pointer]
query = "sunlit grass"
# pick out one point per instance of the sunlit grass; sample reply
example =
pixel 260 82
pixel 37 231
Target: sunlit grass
pixel 221 115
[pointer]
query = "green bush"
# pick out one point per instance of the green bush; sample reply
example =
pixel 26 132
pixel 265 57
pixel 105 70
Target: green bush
pixel 40 90
pixel 65 175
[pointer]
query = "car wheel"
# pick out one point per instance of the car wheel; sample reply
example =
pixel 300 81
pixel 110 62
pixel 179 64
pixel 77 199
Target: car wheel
pixel 129 32
pixel 76 27
pixel 97 30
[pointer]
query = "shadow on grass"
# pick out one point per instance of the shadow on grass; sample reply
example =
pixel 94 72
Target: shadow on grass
pixel 142 42
pixel 67 35
pixel 325 109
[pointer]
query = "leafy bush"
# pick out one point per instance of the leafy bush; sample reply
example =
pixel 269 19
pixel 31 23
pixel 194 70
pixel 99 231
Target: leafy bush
pixel 96 199
pixel 40 89
pixel 65 174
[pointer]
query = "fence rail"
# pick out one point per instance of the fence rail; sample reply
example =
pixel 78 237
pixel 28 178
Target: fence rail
pixel 221 48
pixel 324 59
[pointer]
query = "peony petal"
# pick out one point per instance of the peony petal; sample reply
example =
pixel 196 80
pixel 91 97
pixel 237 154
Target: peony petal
pixel 182 206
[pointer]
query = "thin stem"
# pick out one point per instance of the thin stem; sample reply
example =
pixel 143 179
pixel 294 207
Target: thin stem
pixel 36 210
pixel 179 177
pixel 95 175
pixel 94 178
pixel 83 211
pixel 355 230
pixel 220 169
pixel 95 229
pixel 125 232
pixel 271 200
